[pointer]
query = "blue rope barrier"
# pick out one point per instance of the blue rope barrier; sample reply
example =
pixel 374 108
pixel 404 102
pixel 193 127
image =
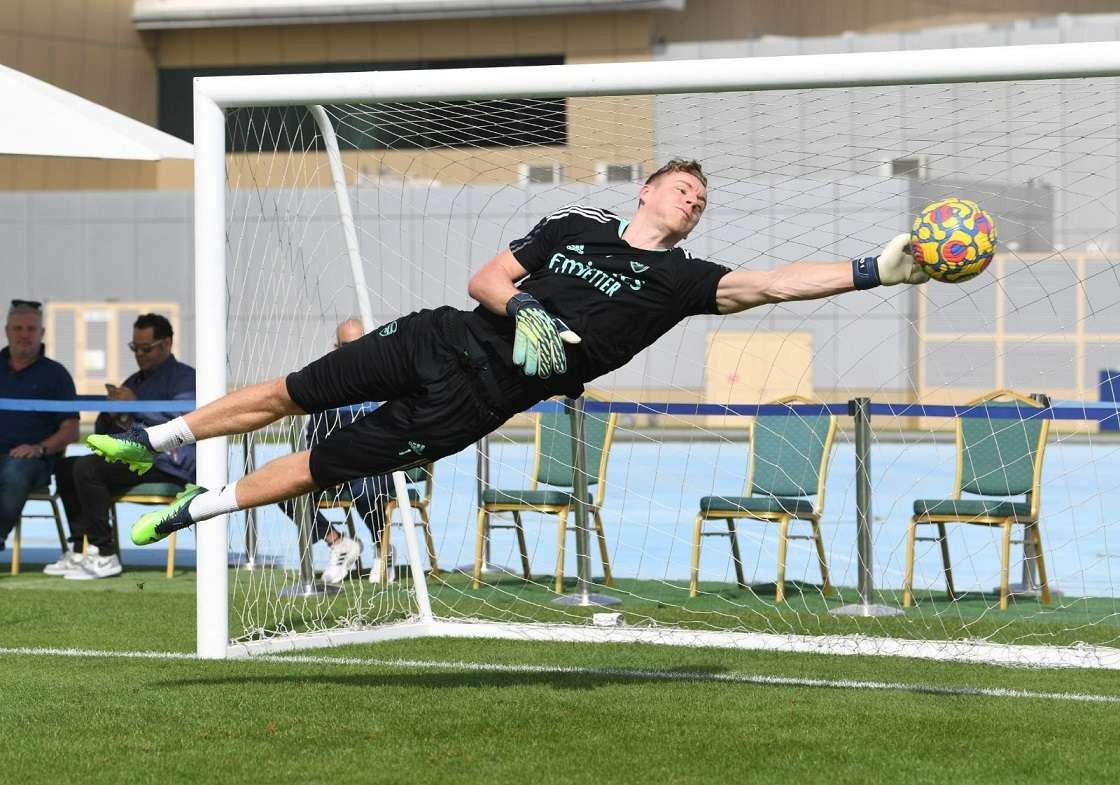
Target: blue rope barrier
pixel 1068 410
pixel 1062 410
pixel 94 403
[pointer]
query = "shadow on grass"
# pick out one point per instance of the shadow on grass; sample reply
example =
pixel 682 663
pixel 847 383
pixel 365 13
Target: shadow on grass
pixel 595 679
pixel 589 679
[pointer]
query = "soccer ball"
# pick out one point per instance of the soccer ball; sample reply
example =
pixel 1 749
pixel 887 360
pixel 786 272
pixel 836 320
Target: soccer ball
pixel 953 240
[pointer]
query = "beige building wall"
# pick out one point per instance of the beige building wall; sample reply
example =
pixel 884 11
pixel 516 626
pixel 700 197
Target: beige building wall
pixel 580 37
pixel 88 47
pixel 726 20
pixel 96 32
pixel 91 48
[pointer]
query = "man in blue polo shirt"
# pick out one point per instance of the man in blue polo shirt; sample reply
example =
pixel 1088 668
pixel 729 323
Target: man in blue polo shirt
pixel 87 484
pixel 29 441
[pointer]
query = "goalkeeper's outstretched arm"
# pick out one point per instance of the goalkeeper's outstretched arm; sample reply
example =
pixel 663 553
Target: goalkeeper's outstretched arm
pixel 743 289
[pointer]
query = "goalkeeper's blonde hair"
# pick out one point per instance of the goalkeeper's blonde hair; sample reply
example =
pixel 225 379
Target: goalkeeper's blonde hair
pixel 680 165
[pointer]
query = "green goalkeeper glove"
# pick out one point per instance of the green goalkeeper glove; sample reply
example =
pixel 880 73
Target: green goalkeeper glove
pixel 893 265
pixel 539 337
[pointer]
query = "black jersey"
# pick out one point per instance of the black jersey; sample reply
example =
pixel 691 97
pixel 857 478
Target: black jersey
pixel 618 298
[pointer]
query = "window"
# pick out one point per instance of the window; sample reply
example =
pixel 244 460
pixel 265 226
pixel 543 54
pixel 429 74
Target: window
pixel 541 174
pixel 914 166
pixel 495 123
pixel 617 173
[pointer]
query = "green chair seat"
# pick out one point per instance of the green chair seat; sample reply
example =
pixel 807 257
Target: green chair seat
pixel 971 508
pixel 531 498
pixel 149 489
pixel 999 460
pixel 786 472
pixel 553 467
pixel 734 504
pixel 154 489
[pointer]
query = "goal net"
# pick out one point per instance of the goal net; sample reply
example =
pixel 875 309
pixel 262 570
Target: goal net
pixel 428 185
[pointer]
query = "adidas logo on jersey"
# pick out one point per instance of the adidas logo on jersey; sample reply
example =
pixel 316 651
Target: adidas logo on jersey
pixel 575 248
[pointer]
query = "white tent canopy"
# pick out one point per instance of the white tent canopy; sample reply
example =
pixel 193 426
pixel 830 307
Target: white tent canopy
pixel 41 119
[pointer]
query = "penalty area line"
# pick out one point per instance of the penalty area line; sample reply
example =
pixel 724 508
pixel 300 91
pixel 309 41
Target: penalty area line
pixel 635 674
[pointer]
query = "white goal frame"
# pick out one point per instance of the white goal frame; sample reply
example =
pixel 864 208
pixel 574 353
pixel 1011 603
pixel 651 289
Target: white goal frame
pixel 213 95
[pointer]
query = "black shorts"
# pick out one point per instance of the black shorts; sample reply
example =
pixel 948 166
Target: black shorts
pixel 442 392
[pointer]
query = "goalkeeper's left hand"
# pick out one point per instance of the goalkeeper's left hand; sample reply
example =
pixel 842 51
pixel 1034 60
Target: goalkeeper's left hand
pixel 893 265
pixel 539 337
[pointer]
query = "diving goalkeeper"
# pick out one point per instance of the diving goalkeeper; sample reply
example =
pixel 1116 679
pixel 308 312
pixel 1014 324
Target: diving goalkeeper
pixel 576 298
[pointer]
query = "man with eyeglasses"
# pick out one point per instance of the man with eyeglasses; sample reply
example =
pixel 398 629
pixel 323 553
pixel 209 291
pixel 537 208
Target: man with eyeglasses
pixel 29 441
pixel 87 484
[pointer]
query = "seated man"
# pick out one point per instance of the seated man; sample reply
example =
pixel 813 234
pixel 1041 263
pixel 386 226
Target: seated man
pixel 369 494
pixel 29 441
pixel 87 484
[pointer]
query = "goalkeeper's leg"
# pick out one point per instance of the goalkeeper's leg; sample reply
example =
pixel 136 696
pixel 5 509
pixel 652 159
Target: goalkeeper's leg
pixel 239 412
pixel 380 365
pixel 448 414
pixel 283 478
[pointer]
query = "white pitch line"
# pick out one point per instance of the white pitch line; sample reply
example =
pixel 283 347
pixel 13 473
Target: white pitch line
pixel 564 670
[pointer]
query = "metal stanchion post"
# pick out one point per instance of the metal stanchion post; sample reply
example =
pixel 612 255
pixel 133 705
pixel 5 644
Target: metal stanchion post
pixel 583 595
pixel 482 484
pixel 860 410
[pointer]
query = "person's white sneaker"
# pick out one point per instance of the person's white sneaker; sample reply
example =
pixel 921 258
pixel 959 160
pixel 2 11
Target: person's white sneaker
pixel 344 555
pixel 390 573
pixel 95 566
pixel 69 562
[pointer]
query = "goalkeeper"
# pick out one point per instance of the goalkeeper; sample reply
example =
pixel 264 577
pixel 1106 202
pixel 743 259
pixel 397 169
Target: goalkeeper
pixel 576 298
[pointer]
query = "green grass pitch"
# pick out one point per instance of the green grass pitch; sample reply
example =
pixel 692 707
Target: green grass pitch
pixel 491 712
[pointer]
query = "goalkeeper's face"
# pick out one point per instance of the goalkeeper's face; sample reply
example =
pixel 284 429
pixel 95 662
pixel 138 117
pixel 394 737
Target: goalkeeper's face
pixel 675 201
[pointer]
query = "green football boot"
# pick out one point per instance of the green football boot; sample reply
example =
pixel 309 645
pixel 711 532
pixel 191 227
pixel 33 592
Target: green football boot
pixel 155 526
pixel 130 447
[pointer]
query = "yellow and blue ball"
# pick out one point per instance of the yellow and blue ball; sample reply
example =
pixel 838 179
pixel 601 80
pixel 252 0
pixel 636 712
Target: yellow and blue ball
pixel 953 240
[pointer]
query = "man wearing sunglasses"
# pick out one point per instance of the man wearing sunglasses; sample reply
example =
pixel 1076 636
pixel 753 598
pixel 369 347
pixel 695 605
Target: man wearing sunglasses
pixel 29 441
pixel 87 484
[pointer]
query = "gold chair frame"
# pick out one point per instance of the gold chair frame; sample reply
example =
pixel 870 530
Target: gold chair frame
pixel 1030 522
pixel 40 494
pixel 560 510
pixel 783 519
pixel 128 497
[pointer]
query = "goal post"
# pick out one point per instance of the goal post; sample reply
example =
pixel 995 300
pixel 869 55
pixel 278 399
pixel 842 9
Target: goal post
pixel 409 613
